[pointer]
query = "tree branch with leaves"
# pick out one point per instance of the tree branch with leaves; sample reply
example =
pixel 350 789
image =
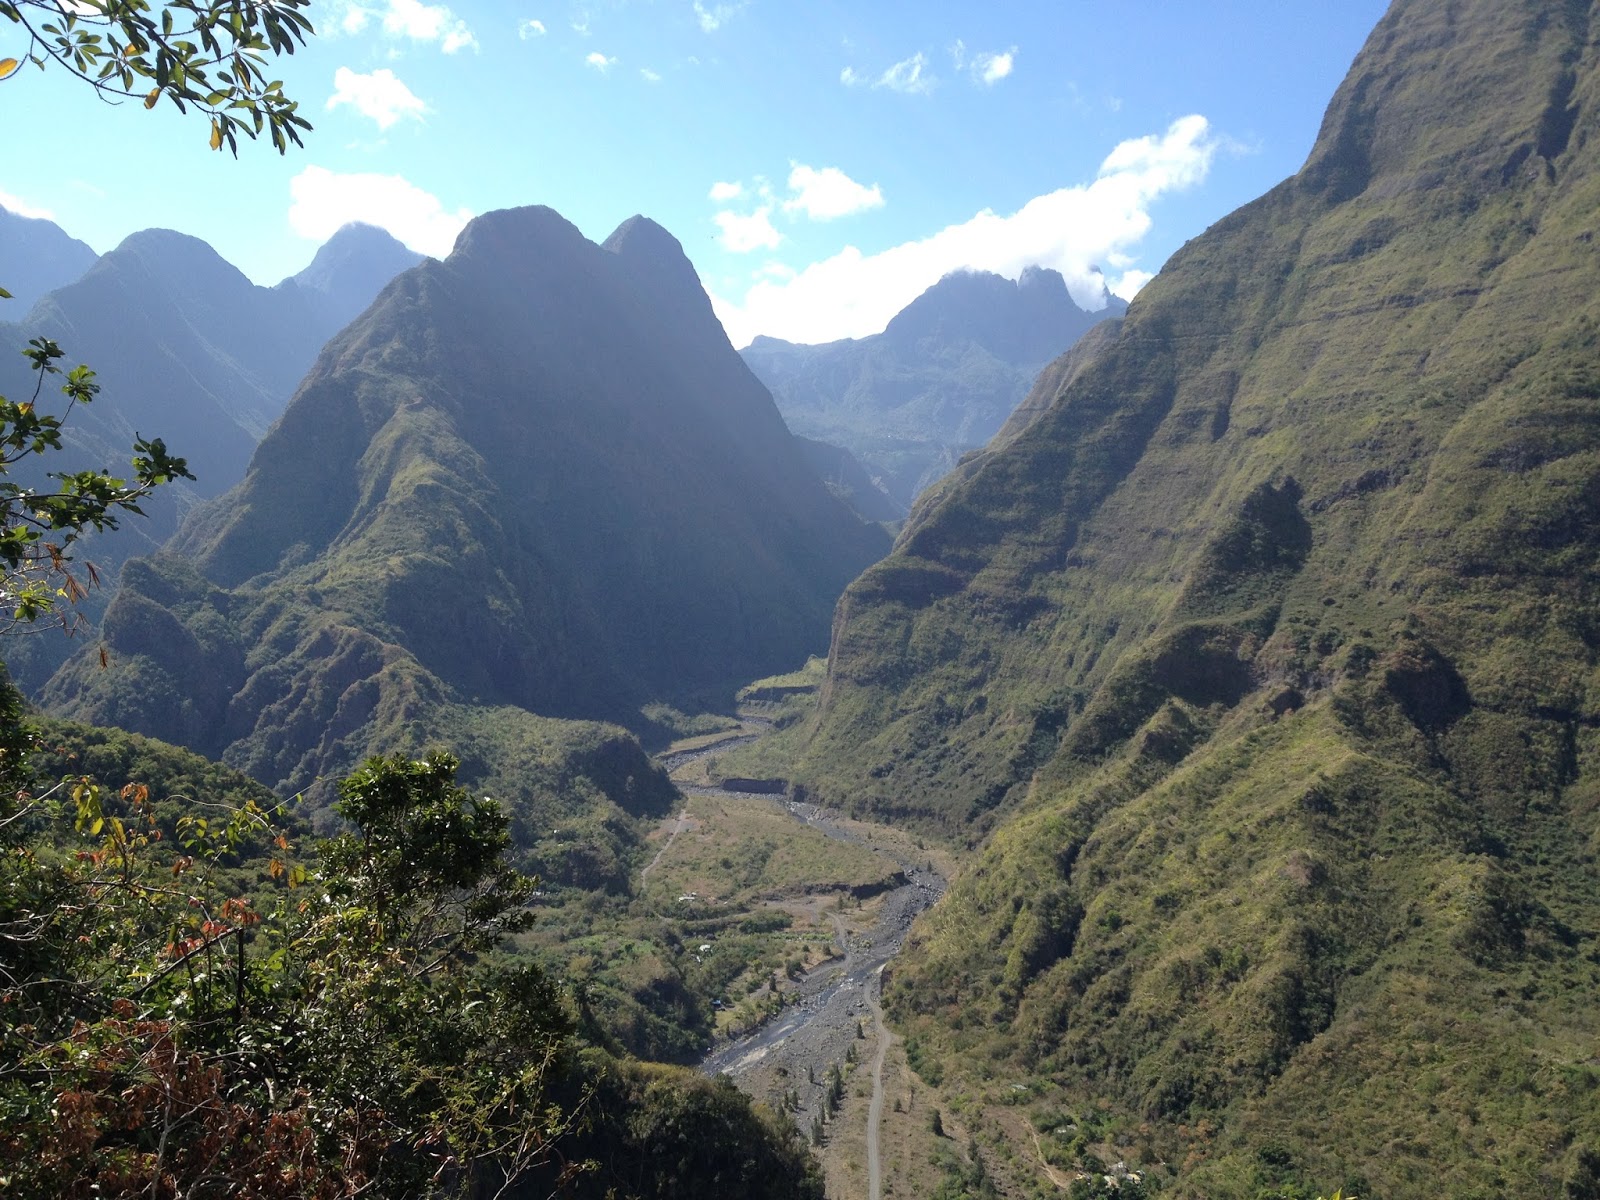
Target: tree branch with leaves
pixel 209 56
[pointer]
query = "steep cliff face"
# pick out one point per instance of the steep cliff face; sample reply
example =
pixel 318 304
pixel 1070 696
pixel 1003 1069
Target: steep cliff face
pixel 534 477
pixel 1265 646
pixel 184 348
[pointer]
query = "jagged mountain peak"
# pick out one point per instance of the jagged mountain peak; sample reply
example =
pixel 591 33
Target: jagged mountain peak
pixel 356 241
pixel 178 261
pixel 1027 320
pixel 652 253
pixel 640 237
pixel 534 423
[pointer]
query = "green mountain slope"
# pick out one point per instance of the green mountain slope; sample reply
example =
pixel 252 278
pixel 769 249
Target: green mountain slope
pixel 187 349
pixel 936 383
pixel 534 478
pixel 1268 652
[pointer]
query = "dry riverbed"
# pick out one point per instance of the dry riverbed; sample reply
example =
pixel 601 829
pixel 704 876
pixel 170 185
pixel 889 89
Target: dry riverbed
pixel 829 1019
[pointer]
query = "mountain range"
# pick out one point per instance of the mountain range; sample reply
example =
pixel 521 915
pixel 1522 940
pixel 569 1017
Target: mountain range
pixel 1257 663
pixel 938 382
pixel 184 347
pixel 534 478
pixel 40 256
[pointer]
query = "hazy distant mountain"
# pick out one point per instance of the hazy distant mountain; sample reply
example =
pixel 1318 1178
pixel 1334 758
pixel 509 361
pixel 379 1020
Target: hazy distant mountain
pixel 349 271
pixel 187 349
pixel 532 478
pixel 939 381
pixel 36 256
pixel 1259 665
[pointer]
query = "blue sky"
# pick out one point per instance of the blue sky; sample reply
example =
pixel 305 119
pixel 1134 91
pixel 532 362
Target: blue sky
pixel 821 162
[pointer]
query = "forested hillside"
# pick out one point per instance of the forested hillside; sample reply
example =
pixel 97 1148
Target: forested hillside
pixel 1262 666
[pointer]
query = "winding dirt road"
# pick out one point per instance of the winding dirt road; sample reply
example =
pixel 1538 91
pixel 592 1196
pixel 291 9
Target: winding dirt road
pixel 679 824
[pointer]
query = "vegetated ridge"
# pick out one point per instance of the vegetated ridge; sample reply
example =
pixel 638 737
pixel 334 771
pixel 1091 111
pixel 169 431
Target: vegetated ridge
pixel 532 479
pixel 185 348
pixel 1265 648
pixel 936 383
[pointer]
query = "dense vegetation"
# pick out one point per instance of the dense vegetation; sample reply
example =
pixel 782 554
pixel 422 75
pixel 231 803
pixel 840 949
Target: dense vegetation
pixel 1264 658
pixel 197 1006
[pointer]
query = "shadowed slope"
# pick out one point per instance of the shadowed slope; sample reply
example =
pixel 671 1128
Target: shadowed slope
pixel 532 477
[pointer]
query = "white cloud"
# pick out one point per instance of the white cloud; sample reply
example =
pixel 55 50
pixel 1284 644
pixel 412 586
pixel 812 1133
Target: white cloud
pixel 742 234
pixel 649 76
pixel 958 54
pixel 530 29
pixel 428 23
pixel 380 96
pixel 908 75
pixel 853 294
pixel 580 24
pixel 714 17
pixel 828 193
pixel 850 77
pixel 22 208
pixel 322 201
pixel 599 61
pixel 411 19
pixel 1127 287
pixel 990 69
pixel 723 192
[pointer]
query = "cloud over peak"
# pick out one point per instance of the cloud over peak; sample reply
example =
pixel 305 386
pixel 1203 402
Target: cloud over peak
pixel 410 19
pixel 990 69
pixel 910 75
pixel 1072 229
pixel 712 17
pixel 322 201
pixel 742 233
